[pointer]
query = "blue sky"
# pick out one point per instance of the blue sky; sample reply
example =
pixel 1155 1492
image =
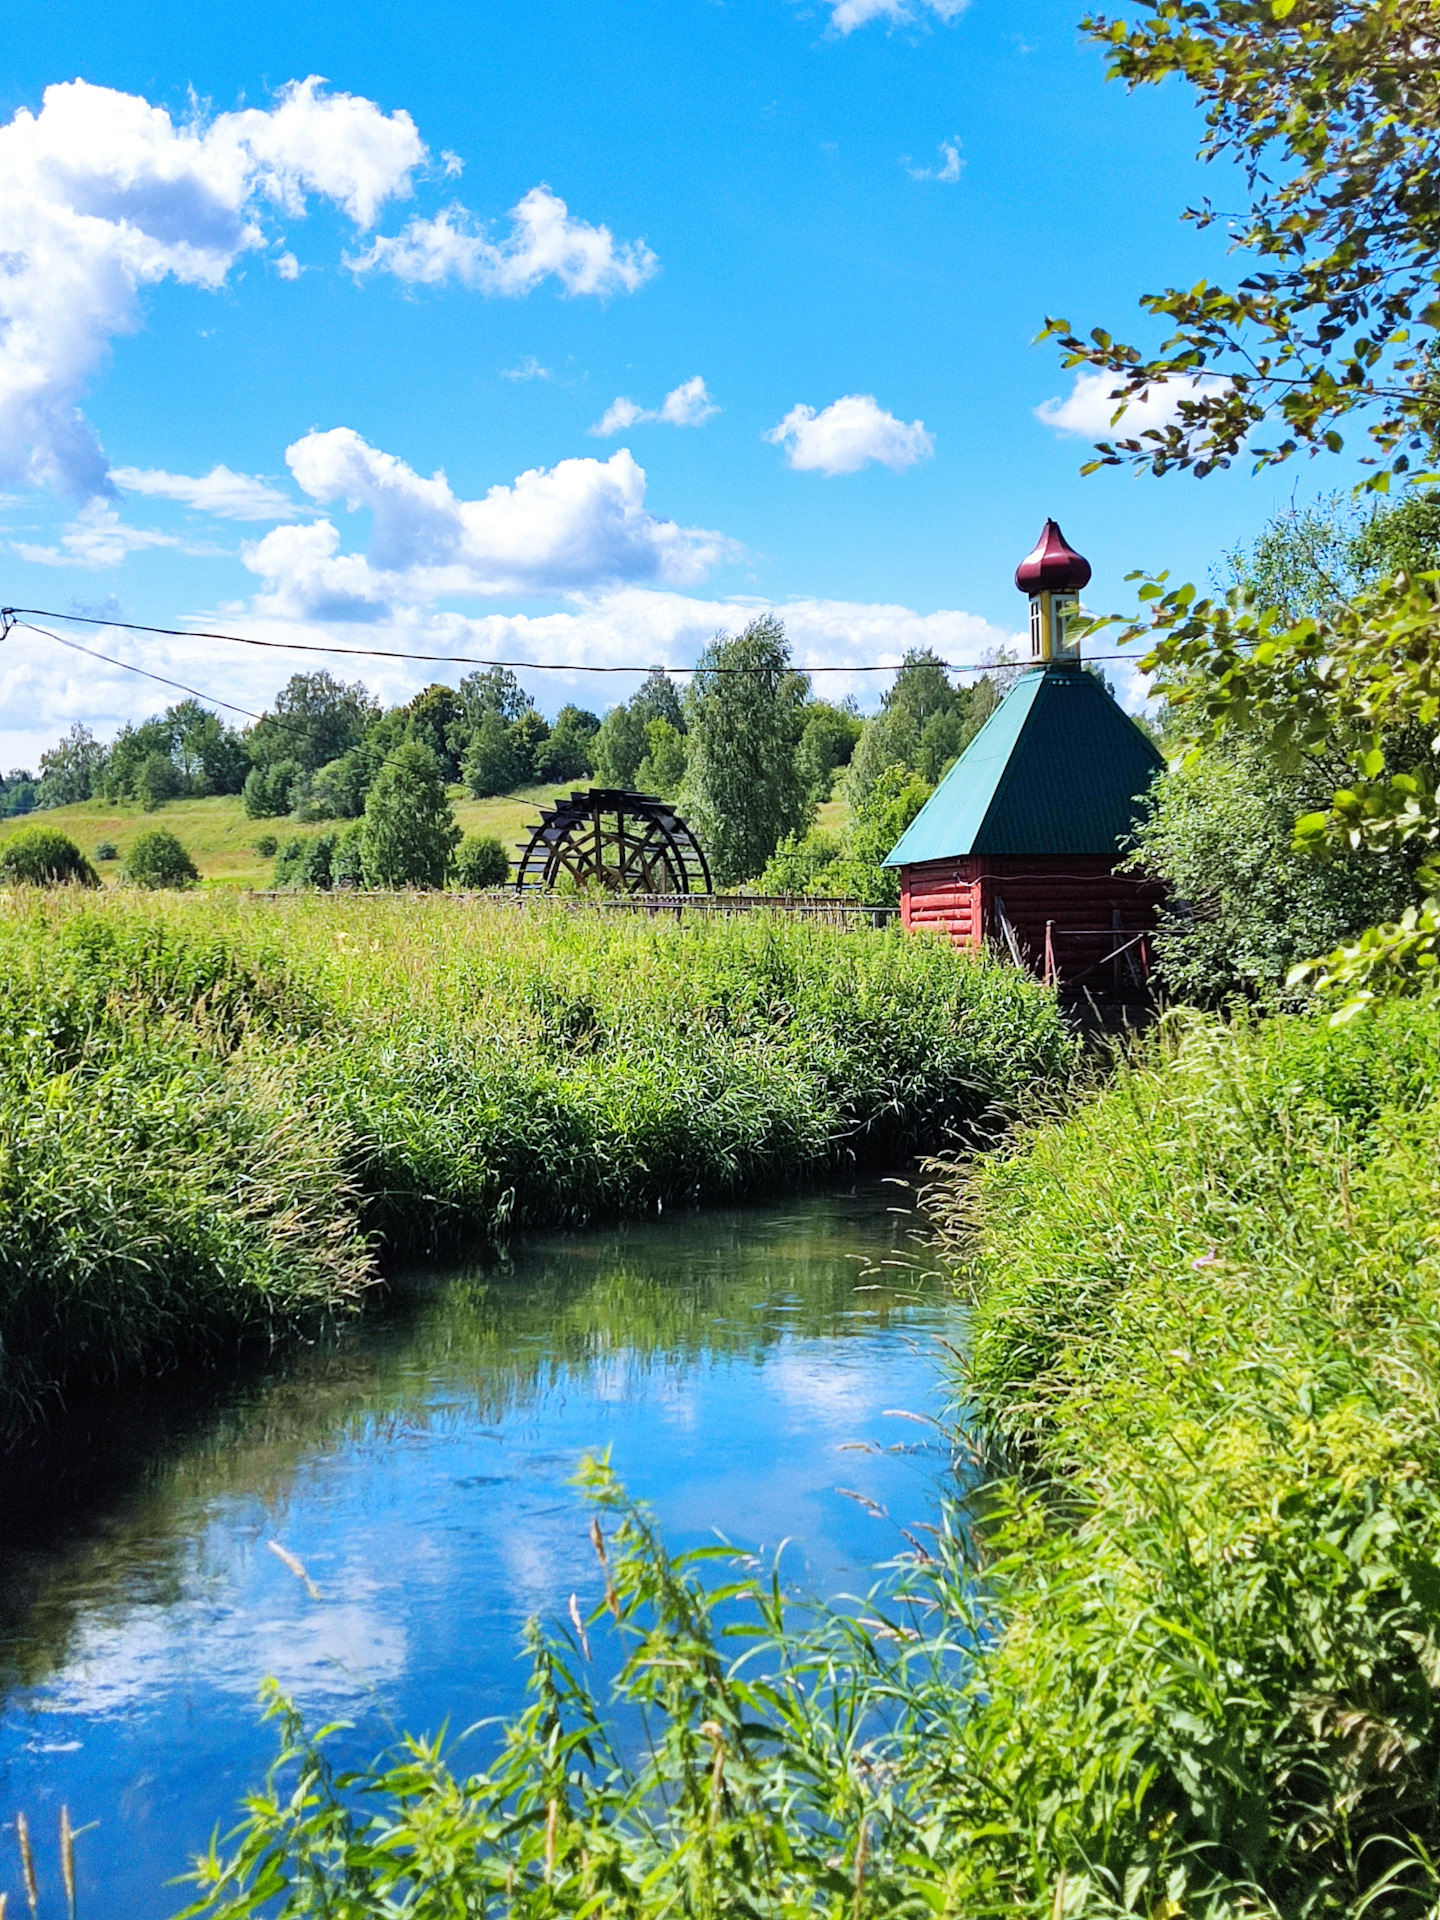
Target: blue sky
pixel 733 215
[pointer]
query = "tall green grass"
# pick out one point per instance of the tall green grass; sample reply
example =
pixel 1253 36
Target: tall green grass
pixel 218 1118
pixel 1180 1655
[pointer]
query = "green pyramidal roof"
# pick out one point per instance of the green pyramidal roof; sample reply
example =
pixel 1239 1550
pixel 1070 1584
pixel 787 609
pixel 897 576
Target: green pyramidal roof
pixel 1056 769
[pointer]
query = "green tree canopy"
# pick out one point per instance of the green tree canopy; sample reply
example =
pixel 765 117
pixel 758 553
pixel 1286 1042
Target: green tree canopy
pixel 827 743
pixel 619 746
pixel 409 835
pixel 569 752
pixel 440 719
pixel 495 690
pixel 743 793
pixel 315 718
pixel 529 736
pixel 1244 904
pixel 623 739
pixel 69 771
pixel 663 768
pixel 659 699
pixel 923 723
pixel 1330 109
pixel 492 762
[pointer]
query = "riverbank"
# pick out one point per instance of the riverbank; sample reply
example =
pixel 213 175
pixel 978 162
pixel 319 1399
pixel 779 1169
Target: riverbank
pixel 1180 1657
pixel 1207 1334
pixel 220 1119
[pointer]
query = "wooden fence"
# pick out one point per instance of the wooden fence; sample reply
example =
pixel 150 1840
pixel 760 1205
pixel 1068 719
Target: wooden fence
pixel 830 912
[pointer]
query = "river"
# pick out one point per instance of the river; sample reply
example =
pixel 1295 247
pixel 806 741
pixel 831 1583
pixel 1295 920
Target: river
pixel 747 1370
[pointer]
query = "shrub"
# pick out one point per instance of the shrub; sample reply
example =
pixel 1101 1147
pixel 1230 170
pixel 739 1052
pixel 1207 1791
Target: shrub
pixel 481 861
pixel 267 846
pixel 305 861
pixel 347 858
pixel 43 857
pixel 107 850
pixel 157 859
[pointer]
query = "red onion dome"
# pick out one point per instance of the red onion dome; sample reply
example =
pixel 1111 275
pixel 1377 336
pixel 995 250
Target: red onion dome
pixel 1053 567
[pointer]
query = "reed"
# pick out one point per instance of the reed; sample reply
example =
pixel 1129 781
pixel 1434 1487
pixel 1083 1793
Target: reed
pixel 220 1119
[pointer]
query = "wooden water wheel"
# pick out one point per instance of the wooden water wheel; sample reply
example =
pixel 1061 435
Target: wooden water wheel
pixel 624 842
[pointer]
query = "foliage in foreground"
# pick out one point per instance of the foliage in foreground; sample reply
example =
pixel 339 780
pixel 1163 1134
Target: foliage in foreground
pixel 215 1118
pixel 1205 1595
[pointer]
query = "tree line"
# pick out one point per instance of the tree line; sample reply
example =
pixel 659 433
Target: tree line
pixel 747 751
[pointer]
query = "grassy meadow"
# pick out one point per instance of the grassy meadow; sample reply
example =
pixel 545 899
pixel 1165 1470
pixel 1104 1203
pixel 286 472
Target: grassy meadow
pixel 1176 1655
pixel 219 1117
pixel 221 839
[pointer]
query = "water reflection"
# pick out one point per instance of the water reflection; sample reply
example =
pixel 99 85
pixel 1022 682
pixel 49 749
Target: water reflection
pixel 418 1472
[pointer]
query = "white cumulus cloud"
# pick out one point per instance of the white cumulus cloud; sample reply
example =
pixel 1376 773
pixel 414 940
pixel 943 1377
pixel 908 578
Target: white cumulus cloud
pixel 849 434
pixel 1088 408
pixel 846 15
pixel 543 240
pixel 102 194
pixel 572 528
pixel 230 496
pixel 688 405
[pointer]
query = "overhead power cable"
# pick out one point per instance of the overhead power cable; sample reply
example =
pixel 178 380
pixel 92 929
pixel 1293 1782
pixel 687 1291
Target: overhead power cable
pixel 11 616
pixel 210 699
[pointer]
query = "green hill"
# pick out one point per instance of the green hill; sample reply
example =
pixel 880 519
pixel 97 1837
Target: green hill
pixel 221 840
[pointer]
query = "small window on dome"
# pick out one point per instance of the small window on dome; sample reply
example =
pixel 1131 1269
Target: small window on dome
pixel 1035 626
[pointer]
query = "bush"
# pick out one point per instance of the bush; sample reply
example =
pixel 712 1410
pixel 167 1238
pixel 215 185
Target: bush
pixel 157 859
pixel 107 850
pixel 347 858
pixel 267 846
pixel 43 857
pixel 481 861
pixel 305 861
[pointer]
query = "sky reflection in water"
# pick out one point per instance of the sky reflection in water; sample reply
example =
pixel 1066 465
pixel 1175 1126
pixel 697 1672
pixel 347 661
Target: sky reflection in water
pixel 420 1471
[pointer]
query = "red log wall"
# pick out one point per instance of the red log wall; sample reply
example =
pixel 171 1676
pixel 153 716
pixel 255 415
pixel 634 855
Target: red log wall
pixel 1080 896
